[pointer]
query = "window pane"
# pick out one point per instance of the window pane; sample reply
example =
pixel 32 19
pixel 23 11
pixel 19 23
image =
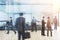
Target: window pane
pixel 2 2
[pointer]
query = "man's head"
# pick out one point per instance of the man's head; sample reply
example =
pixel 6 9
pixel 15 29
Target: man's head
pixel 33 17
pixel 10 17
pixel 21 14
pixel 48 17
pixel 43 17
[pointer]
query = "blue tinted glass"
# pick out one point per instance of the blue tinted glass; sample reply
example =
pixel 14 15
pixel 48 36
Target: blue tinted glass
pixel 2 7
pixel 2 2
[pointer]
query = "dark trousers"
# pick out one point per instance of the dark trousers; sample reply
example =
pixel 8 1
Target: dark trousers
pixel 19 35
pixel 49 29
pixel 8 29
pixel 55 26
pixel 43 31
pixel 34 27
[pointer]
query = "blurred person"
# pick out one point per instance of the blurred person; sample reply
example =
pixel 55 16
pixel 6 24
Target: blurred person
pixel 55 22
pixel 10 24
pixel 20 25
pixel 7 25
pixel 49 28
pixel 33 24
pixel 43 26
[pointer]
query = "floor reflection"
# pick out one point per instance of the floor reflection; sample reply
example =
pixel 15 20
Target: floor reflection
pixel 12 36
pixel 34 35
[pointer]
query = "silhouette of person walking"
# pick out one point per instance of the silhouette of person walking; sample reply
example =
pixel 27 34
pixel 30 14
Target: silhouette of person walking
pixel 10 24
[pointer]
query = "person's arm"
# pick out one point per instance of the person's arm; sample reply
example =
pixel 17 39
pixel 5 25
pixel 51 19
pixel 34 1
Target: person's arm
pixel 24 22
pixel 16 23
pixel 24 25
pixel 37 21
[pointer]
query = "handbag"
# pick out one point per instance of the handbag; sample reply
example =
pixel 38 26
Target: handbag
pixel 26 35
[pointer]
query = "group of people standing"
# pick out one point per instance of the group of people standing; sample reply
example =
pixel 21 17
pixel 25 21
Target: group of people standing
pixel 48 25
pixel 45 25
pixel 20 25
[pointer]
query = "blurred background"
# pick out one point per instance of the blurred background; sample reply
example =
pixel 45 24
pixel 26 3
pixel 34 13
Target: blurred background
pixel 30 8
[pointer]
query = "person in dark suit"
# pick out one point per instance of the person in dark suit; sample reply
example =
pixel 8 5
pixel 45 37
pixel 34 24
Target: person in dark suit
pixel 10 24
pixel 20 25
pixel 49 28
pixel 43 27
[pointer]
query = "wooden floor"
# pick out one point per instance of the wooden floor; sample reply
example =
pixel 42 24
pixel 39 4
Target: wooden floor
pixel 34 35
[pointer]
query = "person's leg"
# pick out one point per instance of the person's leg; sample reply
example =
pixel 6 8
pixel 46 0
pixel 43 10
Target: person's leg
pixel 35 27
pixel 42 31
pixel 7 29
pixel 51 32
pixel 47 32
pixel 55 27
pixel 19 35
pixel 22 36
pixel 32 27
pixel 13 29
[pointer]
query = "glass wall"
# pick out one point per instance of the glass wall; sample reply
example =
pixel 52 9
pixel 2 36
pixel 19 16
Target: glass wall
pixel 30 8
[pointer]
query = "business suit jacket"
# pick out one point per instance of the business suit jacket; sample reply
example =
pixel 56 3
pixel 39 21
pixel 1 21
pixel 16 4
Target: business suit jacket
pixel 43 23
pixel 49 24
pixel 20 24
